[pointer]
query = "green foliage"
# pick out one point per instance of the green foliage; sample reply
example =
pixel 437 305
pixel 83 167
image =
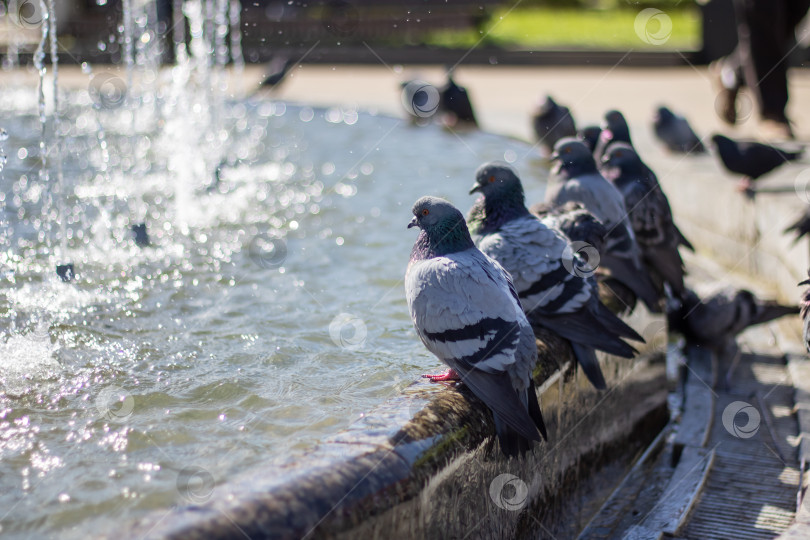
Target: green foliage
pixel 544 27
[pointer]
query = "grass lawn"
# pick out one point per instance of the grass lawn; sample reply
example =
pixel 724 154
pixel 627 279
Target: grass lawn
pixel 546 28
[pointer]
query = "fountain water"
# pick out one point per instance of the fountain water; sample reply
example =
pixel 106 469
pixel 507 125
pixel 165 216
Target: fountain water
pixel 214 348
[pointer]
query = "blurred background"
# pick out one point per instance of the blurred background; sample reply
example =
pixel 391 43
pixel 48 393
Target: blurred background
pixel 418 30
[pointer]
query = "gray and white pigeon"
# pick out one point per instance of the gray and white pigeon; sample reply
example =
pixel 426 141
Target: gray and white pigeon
pixel 650 216
pixel 715 321
pixel 552 282
pixel 675 132
pixel 577 179
pixel 466 312
pixel 552 122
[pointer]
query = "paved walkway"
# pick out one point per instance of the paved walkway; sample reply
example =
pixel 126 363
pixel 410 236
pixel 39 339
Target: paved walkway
pixel 728 465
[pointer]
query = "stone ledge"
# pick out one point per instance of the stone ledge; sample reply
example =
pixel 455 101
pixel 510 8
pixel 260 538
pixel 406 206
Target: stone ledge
pixel 393 473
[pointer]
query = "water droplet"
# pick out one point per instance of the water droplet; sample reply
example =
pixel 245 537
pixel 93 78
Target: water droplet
pixel 3 135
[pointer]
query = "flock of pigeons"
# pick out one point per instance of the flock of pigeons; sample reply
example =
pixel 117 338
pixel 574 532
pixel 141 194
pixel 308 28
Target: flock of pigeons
pixel 478 288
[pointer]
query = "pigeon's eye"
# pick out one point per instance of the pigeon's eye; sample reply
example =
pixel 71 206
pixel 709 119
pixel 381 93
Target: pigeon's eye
pixel 425 212
pixel 567 150
pixel 491 179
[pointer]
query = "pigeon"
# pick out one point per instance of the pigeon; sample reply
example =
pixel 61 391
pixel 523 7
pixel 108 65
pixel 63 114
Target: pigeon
pixel 276 72
pixel 551 281
pixel 590 136
pixel 751 159
pixel 801 226
pixel 674 131
pixel 805 313
pixel 715 321
pixel 466 312
pixel 614 129
pixel 579 180
pixel 551 123
pixel 574 221
pixel 455 102
pixel 650 216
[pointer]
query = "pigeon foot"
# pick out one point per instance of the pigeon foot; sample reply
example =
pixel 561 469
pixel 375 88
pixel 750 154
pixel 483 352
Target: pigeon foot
pixel 449 375
pixel 746 186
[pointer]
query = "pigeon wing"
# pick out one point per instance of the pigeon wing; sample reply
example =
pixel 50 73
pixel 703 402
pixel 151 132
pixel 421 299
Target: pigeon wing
pixel 533 255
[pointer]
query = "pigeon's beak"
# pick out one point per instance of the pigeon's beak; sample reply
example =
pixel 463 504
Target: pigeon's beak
pixel 476 188
pixel 413 223
pixel 554 156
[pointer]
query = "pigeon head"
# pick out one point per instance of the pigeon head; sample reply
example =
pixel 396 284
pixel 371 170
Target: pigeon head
pixel 547 106
pixel 443 229
pixel 502 197
pixel 617 126
pixel 722 143
pixel 573 157
pixel 663 115
pixel 496 179
pixel 621 155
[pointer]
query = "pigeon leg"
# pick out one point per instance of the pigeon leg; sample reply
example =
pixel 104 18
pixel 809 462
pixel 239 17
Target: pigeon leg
pixel 746 185
pixel 449 375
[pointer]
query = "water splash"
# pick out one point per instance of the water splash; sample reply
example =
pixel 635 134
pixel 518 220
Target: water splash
pixel 59 192
pixel 11 60
pixel 237 57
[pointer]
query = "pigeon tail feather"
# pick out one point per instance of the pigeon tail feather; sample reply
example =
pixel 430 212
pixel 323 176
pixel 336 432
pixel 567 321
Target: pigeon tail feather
pixel 586 357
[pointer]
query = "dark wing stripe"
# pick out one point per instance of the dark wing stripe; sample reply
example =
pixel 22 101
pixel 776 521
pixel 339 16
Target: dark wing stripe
pixel 568 293
pixel 546 282
pixel 497 333
pixel 473 331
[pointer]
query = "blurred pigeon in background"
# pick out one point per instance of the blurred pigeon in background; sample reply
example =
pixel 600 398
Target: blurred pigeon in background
pixel 455 103
pixel 466 312
pixel 801 226
pixel 579 180
pixel 675 132
pixel 751 159
pixel 804 304
pixel 650 216
pixel 614 129
pixel 714 322
pixel 552 122
pixel 551 280
pixel 590 136
pixel 276 72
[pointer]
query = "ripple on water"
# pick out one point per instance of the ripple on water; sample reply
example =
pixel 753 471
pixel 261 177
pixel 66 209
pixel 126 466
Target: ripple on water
pixel 268 313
